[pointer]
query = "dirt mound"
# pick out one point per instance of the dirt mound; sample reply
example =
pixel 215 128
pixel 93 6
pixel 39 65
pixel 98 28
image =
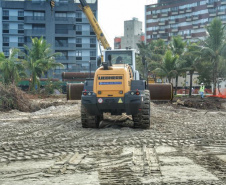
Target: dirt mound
pixel 13 98
pixel 212 103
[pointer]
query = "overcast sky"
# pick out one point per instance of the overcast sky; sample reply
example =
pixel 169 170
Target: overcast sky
pixel 113 13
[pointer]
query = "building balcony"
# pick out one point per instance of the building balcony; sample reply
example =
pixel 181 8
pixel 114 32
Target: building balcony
pixel 188 36
pixel 73 59
pixel 195 26
pixel 68 46
pixel 65 33
pixel 85 46
pixel 181 11
pixel 223 2
pixel 165 14
pixel 34 32
pixel 188 19
pixel 175 12
pixel 12 18
pixel 12 44
pixel 202 25
pixel 221 12
pixel 174 29
pixel 12 31
pixel 195 17
pixel 34 19
pixel 223 21
pixel 188 10
pixel 213 14
pixel 64 20
pixel 162 23
pixel 210 5
pixel 85 33
pixel 162 30
pixel 172 21
pixel 81 20
pixel 155 16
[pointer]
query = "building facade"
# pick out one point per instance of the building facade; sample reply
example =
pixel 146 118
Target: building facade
pixel 132 35
pixel 64 27
pixel 187 18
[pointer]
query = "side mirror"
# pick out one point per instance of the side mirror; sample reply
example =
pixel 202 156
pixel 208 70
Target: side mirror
pixel 98 62
pixel 109 60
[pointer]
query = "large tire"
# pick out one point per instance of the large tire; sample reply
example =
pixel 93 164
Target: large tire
pixel 142 119
pixel 88 120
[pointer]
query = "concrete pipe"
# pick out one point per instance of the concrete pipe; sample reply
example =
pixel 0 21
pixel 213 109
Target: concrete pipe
pixel 161 91
pixel 74 91
pixel 76 76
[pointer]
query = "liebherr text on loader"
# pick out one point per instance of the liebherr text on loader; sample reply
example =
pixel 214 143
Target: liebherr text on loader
pixel 116 86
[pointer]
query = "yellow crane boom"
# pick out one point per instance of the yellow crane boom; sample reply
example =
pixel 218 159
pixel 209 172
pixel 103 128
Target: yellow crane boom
pixel 93 22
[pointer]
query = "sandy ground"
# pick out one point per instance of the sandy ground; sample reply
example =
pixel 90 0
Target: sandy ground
pixel 183 146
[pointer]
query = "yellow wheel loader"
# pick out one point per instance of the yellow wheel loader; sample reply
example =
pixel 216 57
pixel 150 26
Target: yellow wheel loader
pixel 116 86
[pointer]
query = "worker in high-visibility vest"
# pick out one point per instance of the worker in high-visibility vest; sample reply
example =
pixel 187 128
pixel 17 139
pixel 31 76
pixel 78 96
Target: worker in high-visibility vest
pixel 201 90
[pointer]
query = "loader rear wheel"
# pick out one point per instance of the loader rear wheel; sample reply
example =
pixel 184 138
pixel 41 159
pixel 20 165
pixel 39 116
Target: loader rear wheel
pixel 88 120
pixel 142 119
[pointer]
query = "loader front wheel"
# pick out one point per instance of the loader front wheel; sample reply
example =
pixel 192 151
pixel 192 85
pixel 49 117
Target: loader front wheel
pixel 142 119
pixel 88 120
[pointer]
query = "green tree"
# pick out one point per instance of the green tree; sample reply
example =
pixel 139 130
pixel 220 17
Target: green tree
pixel 11 67
pixel 177 46
pixel 214 48
pixel 191 58
pixel 39 59
pixel 167 66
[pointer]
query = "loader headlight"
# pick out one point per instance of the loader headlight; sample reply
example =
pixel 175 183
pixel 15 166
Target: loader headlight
pixel 120 92
pixel 99 92
pixel 132 93
pixel 84 93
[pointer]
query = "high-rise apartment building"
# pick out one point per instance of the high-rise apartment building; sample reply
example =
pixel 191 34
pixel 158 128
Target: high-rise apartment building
pixel 132 35
pixel 65 27
pixel 187 18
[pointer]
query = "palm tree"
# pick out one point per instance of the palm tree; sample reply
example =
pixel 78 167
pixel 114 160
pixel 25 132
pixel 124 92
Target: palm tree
pixel 214 48
pixel 191 58
pixel 167 66
pixel 11 67
pixel 38 60
pixel 177 46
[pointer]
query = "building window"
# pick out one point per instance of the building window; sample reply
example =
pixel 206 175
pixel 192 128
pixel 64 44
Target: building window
pixel 6 52
pixel 61 42
pixel 78 29
pixel 38 28
pixel 92 42
pixel 78 53
pixel 5 15
pixel 61 16
pixel 63 56
pixel 5 41
pixel 21 41
pixel 20 28
pixel 93 53
pixel 5 28
pixel 38 15
pixel 78 16
pixel 20 15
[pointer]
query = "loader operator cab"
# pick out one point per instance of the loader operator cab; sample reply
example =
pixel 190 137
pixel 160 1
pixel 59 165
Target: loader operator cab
pixel 123 56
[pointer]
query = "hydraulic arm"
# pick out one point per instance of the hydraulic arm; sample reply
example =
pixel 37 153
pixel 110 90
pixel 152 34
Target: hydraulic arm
pixel 93 22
